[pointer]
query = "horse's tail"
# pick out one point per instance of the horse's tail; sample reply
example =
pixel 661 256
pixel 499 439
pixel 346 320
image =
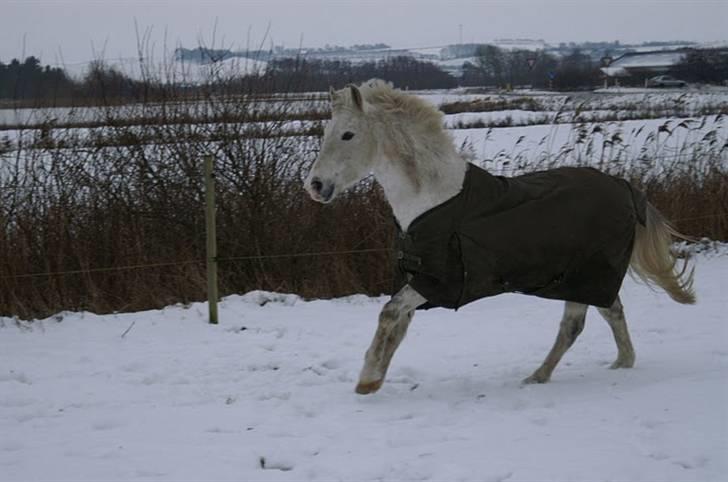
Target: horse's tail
pixel 654 262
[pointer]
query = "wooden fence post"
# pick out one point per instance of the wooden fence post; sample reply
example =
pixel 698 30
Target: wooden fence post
pixel 212 295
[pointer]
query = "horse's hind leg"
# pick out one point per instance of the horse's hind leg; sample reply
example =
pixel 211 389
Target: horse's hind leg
pixel 571 326
pixel 393 322
pixel 615 317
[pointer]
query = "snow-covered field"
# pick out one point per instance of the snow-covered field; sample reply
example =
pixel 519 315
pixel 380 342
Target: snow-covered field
pixel 604 101
pixel 498 148
pixel 268 393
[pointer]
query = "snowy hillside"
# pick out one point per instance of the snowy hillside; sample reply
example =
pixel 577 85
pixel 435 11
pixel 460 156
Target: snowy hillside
pixel 268 394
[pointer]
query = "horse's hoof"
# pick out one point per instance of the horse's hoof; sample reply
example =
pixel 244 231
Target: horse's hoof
pixel 535 378
pixel 622 364
pixel 368 387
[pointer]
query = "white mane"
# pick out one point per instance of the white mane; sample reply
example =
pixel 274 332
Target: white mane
pixel 396 102
pixel 412 131
pixel 419 148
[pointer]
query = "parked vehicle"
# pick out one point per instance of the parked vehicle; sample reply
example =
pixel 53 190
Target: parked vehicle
pixel 665 81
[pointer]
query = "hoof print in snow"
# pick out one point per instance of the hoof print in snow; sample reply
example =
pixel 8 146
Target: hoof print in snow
pixel 315 370
pixel 266 367
pixel 696 463
pixel 330 364
pixel 267 465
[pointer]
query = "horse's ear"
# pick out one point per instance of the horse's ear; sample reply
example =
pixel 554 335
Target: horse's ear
pixel 356 97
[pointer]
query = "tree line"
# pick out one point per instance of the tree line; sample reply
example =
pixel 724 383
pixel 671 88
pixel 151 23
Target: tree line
pixel 503 68
pixel 708 66
pixel 30 81
pixel 317 75
pixel 492 66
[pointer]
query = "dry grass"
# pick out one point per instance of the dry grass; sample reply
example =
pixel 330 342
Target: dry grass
pixel 493 105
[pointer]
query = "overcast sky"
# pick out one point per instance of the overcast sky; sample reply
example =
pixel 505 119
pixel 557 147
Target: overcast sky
pixel 78 30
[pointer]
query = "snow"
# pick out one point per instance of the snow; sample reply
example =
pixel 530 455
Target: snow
pixel 648 59
pixel 427 51
pixel 692 101
pixel 268 393
pixel 458 62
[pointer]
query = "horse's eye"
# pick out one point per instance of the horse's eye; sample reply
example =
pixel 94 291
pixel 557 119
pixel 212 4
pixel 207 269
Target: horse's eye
pixel 347 136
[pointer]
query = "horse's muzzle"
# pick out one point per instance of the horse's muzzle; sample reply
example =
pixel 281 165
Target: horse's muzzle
pixel 320 190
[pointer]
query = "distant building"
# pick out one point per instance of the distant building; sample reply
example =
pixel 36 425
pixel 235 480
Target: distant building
pixel 639 66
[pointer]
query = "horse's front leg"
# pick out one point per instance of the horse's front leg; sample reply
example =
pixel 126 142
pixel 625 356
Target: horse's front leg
pixel 393 322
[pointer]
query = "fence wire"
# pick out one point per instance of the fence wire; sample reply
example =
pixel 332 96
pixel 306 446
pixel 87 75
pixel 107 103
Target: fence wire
pixel 197 261
pixel 248 258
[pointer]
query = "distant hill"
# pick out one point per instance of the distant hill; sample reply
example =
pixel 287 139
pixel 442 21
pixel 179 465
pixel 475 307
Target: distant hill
pixel 449 57
pixel 202 55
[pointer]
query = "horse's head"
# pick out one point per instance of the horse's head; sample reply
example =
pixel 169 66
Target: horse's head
pixel 348 149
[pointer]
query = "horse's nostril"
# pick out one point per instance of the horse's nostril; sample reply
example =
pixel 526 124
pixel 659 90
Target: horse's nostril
pixel 317 185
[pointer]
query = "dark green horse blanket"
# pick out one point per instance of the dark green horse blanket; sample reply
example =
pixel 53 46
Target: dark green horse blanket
pixel 563 234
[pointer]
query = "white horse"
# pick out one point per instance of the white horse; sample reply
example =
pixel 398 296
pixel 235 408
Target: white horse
pixel 400 139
